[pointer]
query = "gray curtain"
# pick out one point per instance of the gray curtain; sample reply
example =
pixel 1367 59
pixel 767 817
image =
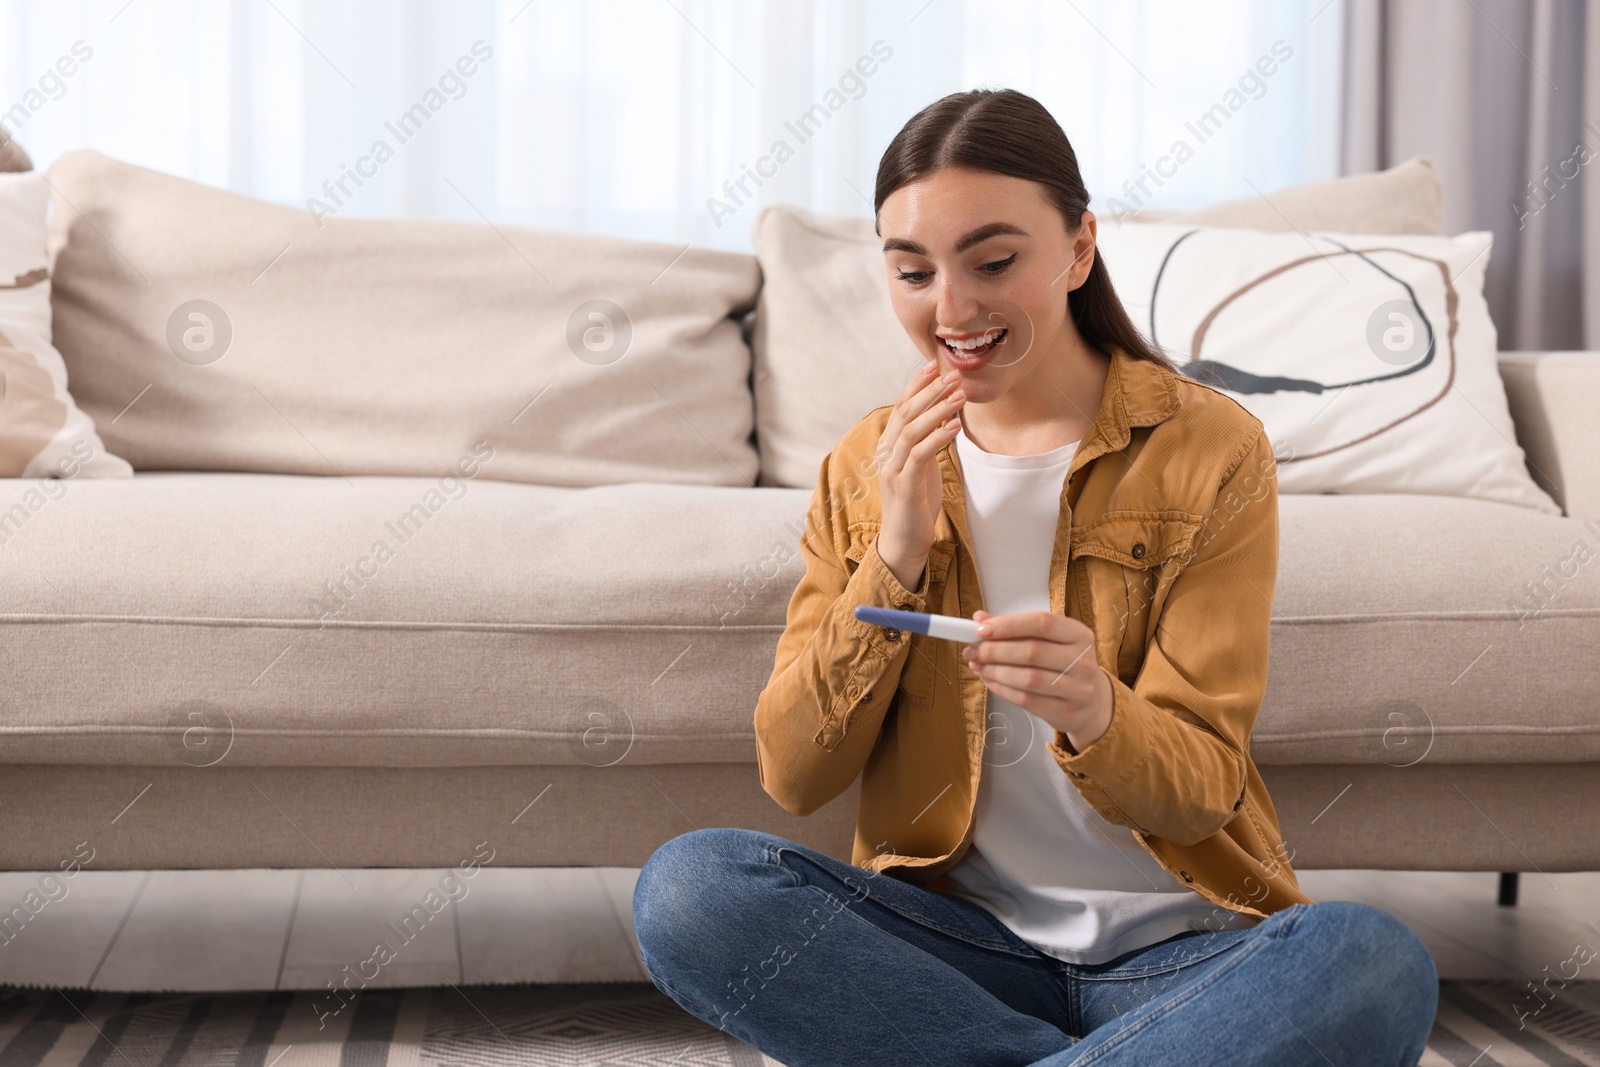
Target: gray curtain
pixel 1504 95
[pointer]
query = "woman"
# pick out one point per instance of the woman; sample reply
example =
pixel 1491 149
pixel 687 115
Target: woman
pixel 1084 864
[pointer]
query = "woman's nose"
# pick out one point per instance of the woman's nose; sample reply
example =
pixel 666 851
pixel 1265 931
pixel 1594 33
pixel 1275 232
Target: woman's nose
pixel 958 308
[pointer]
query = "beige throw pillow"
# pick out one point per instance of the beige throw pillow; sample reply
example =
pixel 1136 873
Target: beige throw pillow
pixel 828 348
pixel 234 334
pixel 43 433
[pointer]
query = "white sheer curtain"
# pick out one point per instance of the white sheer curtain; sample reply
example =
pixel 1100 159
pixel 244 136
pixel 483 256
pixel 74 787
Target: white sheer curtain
pixel 641 117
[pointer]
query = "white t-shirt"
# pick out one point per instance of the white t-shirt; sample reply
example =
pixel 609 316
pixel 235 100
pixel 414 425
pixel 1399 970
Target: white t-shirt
pixel 1043 861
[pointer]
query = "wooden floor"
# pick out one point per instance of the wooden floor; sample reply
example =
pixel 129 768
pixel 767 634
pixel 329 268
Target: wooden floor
pixel 276 929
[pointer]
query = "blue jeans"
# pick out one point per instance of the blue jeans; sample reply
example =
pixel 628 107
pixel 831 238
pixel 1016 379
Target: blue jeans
pixel 815 961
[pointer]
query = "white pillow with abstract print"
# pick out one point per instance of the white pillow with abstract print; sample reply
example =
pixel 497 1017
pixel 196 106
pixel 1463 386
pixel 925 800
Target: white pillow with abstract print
pixel 42 432
pixel 1369 359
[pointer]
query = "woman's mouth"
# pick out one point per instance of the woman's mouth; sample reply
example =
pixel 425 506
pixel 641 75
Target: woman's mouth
pixel 969 353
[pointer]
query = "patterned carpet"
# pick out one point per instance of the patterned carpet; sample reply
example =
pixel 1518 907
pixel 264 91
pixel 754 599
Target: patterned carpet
pixel 620 1025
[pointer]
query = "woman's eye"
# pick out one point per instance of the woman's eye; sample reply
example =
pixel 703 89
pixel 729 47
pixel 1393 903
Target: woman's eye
pixel 912 276
pixel 999 265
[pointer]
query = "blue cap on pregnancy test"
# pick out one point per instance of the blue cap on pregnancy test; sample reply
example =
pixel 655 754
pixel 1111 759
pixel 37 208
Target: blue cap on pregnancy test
pixel 946 627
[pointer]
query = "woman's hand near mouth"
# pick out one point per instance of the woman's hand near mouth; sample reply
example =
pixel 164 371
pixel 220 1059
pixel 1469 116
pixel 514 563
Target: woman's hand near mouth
pixel 910 485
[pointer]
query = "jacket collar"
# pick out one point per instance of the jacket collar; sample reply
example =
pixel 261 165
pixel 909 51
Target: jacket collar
pixel 1137 393
pixel 1145 394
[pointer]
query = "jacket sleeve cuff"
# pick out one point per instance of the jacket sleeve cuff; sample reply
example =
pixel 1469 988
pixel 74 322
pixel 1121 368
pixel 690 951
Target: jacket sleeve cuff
pixel 1116 754
pixel 874 585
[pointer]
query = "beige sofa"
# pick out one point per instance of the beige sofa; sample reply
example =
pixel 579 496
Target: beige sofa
pixel 567 670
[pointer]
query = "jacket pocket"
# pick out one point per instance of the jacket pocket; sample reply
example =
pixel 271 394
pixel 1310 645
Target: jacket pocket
pixel 916 677
pixel 1126 563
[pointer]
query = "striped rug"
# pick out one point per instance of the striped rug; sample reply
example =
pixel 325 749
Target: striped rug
pixel 1480 1024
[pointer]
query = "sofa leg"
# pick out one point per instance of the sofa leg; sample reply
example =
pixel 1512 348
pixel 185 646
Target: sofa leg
pixel 1508 889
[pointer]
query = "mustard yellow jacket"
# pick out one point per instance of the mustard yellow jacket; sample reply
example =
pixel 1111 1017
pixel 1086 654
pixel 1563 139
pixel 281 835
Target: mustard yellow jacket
pixel 1166 548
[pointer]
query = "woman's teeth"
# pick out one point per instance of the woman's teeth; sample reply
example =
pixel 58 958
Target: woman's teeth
pixel 976 346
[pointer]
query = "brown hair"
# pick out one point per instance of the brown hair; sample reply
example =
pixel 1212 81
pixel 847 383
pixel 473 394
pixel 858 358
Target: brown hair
pixel 1008 132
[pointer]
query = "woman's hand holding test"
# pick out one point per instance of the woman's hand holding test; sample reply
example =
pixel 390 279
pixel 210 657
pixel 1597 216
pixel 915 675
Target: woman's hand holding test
pixel 1045 664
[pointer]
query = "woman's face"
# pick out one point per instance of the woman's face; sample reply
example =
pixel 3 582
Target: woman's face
pixel 979 266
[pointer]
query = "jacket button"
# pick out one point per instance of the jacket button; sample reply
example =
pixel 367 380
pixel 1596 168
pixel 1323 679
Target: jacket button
pixel 1076 774
pixel 891 634
pixel 1186 877
pixel 866 698
pixel 1138 550
pixel 902 607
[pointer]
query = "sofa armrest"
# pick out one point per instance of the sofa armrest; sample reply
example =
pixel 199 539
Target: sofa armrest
pixel 1554 399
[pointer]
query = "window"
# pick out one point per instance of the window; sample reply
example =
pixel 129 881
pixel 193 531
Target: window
pixel 672 120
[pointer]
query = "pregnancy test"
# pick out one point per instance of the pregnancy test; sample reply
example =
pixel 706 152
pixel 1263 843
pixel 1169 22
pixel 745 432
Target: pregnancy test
pixel 948 627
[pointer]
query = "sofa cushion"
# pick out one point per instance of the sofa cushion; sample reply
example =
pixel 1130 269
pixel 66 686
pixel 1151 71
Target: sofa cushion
pixel 1411 627
pixel 828 347
pixel 226 333
pixel 253 619
pixel 389 621
pixel 1552 397
pixel 1408 198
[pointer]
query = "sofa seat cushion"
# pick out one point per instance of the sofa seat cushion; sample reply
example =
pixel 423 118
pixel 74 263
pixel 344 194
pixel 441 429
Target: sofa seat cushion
pixel 376 621
pixel 252 619
pixel 1411 627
